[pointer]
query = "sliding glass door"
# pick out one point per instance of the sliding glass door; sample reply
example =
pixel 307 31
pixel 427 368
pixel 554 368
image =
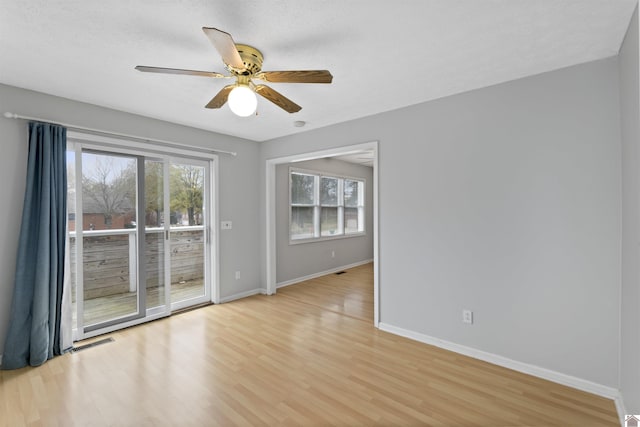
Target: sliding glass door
pixel 138 236
pixel 187 233
pixel 104 239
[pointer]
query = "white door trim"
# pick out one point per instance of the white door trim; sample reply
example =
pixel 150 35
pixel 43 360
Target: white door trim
pixel 270 215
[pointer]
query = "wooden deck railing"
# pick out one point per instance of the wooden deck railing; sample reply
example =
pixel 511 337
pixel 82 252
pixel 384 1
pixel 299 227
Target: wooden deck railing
pixel 110 258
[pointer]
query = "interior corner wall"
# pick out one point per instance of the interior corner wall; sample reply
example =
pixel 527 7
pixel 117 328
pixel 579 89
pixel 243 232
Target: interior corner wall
pixel 304 259
pixel 505 201
pixel 630 136
pixel 237 177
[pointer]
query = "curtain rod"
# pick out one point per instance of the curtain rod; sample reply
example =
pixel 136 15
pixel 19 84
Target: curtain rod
pixel 9 115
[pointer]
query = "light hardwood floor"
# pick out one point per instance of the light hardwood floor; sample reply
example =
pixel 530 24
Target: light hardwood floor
pixel 307 356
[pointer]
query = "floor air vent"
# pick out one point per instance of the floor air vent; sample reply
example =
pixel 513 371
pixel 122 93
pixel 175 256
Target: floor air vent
pixel 340 272
pixel 93 344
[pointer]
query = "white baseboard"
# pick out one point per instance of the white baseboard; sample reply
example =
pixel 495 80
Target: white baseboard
pixel 322 273
pixel 536 371
pixel 622 410
pixel 293 281
pixel 242 295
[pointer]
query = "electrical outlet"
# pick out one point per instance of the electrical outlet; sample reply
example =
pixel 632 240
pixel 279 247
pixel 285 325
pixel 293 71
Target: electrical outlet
pixel 467 316
pixel 237 275
pixel 333 254
pixel 226 225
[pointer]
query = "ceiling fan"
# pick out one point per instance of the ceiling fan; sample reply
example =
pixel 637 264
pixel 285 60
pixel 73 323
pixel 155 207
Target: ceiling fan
pixel 244 62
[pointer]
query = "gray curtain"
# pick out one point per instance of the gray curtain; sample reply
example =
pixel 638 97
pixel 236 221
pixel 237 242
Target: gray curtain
pixel 34 334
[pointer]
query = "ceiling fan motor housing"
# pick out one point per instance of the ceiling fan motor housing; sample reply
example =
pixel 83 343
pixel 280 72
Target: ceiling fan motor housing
pixel 252 59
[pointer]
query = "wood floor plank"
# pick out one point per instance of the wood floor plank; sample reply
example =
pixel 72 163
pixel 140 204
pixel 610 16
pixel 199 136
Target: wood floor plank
pixel 306 356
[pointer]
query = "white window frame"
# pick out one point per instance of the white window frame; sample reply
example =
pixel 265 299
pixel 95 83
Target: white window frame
pixel 317 206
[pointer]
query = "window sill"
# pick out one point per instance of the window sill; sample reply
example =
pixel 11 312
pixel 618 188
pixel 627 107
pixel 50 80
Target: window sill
pixel 325 238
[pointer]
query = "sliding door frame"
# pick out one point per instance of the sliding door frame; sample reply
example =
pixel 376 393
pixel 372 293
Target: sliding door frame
pixel 85 141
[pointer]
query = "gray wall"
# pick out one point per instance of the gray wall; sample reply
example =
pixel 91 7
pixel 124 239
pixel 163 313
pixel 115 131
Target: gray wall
pixel 630 127
pixel 505 201
pixel 303 259
pixel 238 192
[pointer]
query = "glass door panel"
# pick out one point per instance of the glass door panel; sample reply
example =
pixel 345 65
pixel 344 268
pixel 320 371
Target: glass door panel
pixel 154 233
pixel 110 290
pixel 187 233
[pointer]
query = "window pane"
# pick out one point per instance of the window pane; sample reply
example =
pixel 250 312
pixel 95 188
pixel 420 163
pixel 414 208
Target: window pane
pixel 109 192
pixel 154 193
pixel 109 262
pixel 301 222
pixel 187 246
pixel 351 193
pixel 351 220
pixel 154 235
pixel 186 187
pixel 328 221
pixel 302 189
pixel 329 191
pixel 154 259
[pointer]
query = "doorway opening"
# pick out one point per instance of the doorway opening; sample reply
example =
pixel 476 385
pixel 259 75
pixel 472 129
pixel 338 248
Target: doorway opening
pixel 272 211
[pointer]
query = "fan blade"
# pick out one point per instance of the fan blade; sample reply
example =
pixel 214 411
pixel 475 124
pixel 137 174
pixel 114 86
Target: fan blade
pixel 307 76
pixel 224 44
pixel 221 97
pixel 178 71
pixel 278 99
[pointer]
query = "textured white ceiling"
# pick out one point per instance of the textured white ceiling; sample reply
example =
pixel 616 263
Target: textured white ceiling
pixel 383 54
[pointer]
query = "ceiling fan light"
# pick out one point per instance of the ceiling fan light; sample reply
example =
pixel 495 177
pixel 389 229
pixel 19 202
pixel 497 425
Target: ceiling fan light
pixel 243 101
